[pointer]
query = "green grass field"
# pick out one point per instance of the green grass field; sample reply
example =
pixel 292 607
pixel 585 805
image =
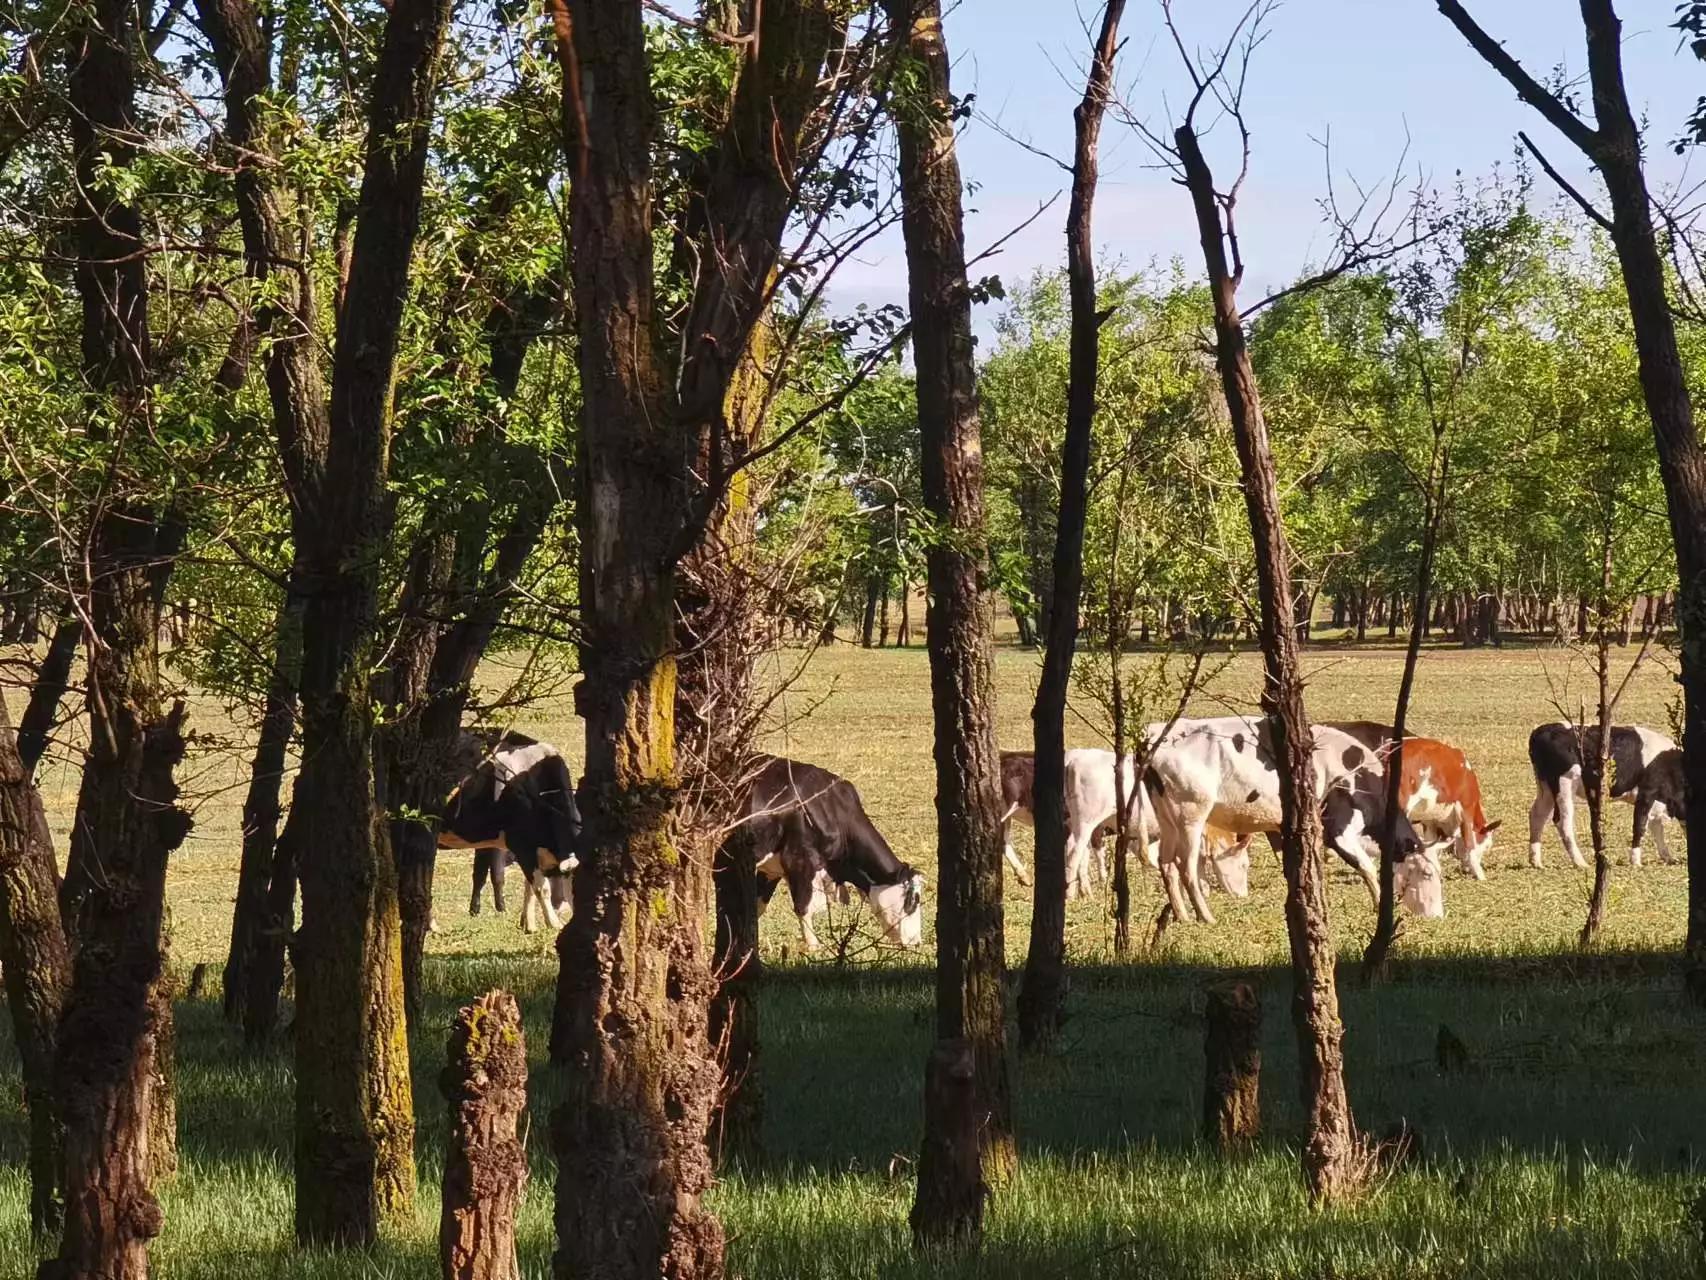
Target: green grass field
pixel 1568 1147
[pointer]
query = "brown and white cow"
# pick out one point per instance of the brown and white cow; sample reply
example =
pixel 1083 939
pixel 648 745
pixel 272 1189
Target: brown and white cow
pixel 1439 792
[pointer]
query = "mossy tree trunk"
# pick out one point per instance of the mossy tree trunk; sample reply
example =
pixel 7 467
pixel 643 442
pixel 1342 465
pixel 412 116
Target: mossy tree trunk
pixel 354 1115
pixel 657 471
pixel 37 967
pixel 970 939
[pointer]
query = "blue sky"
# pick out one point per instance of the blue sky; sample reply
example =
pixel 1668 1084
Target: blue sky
pixel 1360 71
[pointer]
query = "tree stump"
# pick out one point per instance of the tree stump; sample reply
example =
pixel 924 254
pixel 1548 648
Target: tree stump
pixel 951 1189
pixel 1231 1105
pixel 485 1167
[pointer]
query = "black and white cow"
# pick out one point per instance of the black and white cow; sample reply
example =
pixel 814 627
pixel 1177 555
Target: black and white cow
pixel 519 802
pixel 1662 793
pixel 807 823
pixel 1221 774
pixel 1554 752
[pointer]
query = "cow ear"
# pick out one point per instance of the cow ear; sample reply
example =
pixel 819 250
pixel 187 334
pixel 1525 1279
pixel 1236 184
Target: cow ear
pixel 1491 827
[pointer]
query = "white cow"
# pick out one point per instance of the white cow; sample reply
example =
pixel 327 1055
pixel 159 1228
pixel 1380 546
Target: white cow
pixel 1091 801
pixel 1221 773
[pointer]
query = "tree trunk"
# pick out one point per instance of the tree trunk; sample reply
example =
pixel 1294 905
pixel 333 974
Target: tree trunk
pixel 264 982
pixel 1593 762
pixel 737 1124
pixel 633 983
pixel 1040 1012
pixel 970 952
pixel 883 617
pixel 36 966
pixel 1329 1138
pixel 354 1115
pixel 903 637
pixel 1615 147
pixel 261 806
pixel 948 1209
pixel 52 680
pixel 868 624
pixel 1232 1078
pixel 485 1165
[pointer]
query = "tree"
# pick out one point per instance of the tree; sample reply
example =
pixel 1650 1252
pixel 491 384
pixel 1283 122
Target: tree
pixel 656 458
pixel 1329 1135
pixel 1040 998
pixel 970 963
pixel 112 1054
pixel 355 1118
pixel 37 967
pixel 1613 144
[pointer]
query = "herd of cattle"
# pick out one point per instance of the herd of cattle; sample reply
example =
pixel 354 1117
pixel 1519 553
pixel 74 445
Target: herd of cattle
pixel 1208 787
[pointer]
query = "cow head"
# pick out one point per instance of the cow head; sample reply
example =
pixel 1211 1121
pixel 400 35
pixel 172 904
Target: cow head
pixel 900 907
pixel 1232 868
pixel 1417 885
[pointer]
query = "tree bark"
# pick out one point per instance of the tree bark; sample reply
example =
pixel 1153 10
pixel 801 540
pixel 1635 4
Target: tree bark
pixel 634 980
pixel 1232 1083
pixel 633 983
pixel 37 968
pixel 970 952
pixel 354 1114
pixel 53 679
pixel 1040 1012
pixel 261 805
pixel 1615 149
pixel 485 1166
pixel 1593 762
pixel 738 1121
pixel 264 981
pixel 1329 1136
pixel 951 1186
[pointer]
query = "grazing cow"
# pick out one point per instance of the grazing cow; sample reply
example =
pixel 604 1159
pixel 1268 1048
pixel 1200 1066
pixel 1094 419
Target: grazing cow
pixel 1439 792
pixel 1090 803
pixel 1018 783
pixel 520 801
pixel 1222 773
pixel 1555 754
pixel 806 822
pixel 1662 793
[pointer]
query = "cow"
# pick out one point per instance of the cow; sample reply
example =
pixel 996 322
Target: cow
pixel 1662 793
pixel 1091 804
pixel 1221 773
pixel 519 800
pixel 807 822
pixel 1439 792
pixel 1554 752
pixel 1018 782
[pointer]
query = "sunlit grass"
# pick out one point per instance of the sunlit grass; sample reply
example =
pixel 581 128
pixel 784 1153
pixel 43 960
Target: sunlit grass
pixel 1569 1147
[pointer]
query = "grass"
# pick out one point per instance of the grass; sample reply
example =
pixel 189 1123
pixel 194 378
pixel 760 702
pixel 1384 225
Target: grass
pixel 1571 1145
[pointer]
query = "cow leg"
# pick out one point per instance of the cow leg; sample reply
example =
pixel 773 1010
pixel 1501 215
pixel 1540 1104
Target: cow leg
pixel 500 869
pixel 1656 829
pixel 1193 877
pixel 803 890
pixel 1545 804
pixel 1007 849
pixel 482 869
pixel 526 921
pixel 1565 819
pixel 536 882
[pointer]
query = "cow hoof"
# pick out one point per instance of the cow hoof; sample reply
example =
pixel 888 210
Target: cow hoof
pixel 474 907
pixel 1634 857
pixel 432 924
pixel 1534 859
